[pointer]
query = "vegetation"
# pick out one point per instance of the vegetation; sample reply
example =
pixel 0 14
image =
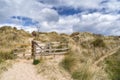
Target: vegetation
pixel 4 66
pixel 6 56
pixel 82 74
pixel 36 61
pixel 82 54
pixel 98 43
pixel 34 33
pixel 74 34
pixel 68 62
pixel 84 47
pixel 113 66
pixel 10 39
pixel 51 36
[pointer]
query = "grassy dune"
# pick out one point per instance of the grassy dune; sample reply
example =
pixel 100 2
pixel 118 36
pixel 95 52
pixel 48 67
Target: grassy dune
pixel 84 49
pixel 10 39
pixel 88 48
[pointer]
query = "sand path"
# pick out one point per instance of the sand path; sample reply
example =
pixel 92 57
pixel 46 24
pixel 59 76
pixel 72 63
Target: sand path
pixel 21 70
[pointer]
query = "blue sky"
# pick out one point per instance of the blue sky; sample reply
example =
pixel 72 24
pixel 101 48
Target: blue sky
pixel 63 16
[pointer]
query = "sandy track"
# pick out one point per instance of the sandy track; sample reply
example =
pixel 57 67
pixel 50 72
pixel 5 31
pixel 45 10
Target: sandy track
pixel 22 70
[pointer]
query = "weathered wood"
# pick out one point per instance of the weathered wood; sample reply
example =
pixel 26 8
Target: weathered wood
pixel 33 49
pixel 56 53
pixel 43 49
pixel 62 49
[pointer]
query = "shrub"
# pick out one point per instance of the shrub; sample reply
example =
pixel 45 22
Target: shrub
pixel 74 34
pixel 14 28
pixel 98 43
pixel 34 33
pixel 35 62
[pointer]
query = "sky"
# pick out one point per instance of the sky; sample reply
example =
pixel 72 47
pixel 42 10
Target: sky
pixel 62 16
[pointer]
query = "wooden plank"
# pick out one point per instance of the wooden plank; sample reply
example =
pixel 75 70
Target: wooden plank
pixel 62 49
pixel 47 54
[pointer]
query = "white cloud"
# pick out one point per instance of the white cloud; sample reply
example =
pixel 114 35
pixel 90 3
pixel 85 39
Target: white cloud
pixel 47 14
pixel 99 23
pixel 83 3
pixel 112 5
pixel 50 20
pixel 73 3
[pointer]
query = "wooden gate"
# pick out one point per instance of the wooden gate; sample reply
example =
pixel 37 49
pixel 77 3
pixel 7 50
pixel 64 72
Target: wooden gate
pixel 49 48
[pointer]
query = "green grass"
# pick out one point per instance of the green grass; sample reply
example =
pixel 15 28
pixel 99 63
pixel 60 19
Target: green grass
pixel 113 66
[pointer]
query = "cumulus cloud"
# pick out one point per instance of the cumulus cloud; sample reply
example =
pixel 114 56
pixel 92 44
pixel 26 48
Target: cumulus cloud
pixel 49 15
pixel 99 23
pixel 98 16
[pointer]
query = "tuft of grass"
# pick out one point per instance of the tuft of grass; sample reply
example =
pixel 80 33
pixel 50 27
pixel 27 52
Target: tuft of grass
pixel 81 75
pixel 68 62
pixel 36 61
pixel 84 72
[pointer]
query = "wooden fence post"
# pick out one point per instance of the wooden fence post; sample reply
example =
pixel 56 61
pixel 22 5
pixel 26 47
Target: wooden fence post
pixel 33 49
pixel 49 47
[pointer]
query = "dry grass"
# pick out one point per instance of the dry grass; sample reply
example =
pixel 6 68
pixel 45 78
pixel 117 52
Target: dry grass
pixel 85 55
pixel 4 66
pixel 6 55
pixel 49 68
pixel 68 62
pixel 10 39
pixel 83 73
pixel 85 48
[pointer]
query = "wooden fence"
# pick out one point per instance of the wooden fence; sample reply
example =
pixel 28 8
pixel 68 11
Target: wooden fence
pixel 42 49
pixel 49 48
